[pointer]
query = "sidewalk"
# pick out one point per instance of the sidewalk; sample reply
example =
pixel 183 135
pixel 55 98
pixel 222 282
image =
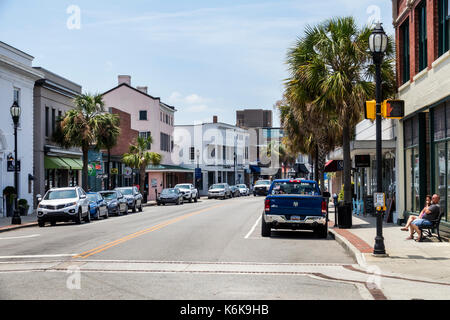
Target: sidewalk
pixel 428 260
pixel 27 221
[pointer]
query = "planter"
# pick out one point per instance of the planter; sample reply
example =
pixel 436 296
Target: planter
pixel 23 211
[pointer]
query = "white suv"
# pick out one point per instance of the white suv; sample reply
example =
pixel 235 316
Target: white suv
pixel 189 191
pixel 63 204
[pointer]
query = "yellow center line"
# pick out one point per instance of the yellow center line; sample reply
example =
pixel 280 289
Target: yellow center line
pixel 114 243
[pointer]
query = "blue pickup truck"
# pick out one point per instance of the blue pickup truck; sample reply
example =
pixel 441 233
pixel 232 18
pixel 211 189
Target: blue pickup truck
pixel 295 204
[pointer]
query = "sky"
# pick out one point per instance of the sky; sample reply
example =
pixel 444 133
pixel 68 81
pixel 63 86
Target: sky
pixel 205 58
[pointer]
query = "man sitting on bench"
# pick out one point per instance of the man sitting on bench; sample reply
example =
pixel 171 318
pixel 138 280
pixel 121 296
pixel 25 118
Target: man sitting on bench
pixel 430 214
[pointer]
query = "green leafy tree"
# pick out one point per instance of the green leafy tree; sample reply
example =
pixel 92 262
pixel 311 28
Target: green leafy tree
pixel 80 126
pixel 107 136
pixel 139 158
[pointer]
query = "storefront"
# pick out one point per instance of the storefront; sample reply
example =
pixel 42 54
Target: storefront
pixel 427 157
pixel 62 172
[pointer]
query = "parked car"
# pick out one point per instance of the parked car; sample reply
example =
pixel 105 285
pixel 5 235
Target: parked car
pixel 97 206
pixel 116 202
pixel 261 187
pixel 189 191
pixel 243 190
pixel 295 205
pixel 133 197
pixel 219 190
pixel 235 191
pixel 171 195
pixel 63 205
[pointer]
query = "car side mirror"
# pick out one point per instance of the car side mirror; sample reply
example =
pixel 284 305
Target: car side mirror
pixel 82 196
pixel 326 194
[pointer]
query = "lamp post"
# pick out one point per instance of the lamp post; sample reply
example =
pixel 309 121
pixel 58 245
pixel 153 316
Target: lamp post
pixel 198 167
pixel 15 114
pixel 378 41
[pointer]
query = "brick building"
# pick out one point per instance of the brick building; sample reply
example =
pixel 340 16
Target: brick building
pixel 423 136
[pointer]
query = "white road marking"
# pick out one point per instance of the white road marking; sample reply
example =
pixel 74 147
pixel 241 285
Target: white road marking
pixel 39 256
pixel 21 237
pixel 253 228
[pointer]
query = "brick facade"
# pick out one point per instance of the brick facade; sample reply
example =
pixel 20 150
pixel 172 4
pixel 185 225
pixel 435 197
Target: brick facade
pixel 407 10
pixel 127 135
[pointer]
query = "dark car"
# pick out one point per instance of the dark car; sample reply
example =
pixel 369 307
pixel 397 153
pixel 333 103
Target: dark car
pixel 235 191
pixel 97 206
pixel 116 202
pixel 172 195
pixel 133 197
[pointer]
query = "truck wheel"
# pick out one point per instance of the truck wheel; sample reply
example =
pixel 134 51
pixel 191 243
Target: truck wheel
pixel 322 232
pixel 196 198
pixel 78 218
pixel 265 229
pixel 41 223
pixel 190 199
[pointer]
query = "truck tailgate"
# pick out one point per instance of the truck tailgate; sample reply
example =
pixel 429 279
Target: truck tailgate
pixel 295 205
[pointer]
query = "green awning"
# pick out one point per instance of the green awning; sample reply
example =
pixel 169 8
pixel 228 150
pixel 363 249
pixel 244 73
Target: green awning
pixel 75 164
pixel 55 163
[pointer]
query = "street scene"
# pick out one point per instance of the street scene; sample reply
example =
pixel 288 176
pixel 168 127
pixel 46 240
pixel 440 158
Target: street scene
pixel 247 151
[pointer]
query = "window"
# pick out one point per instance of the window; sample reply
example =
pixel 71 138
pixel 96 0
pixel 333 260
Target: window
pixel 444 26
pixel 146 135
pixel 17 95
pixel 422 27
pixel 53 120
pixel 46 121
pixel 192 153
pixel 405 58
pixel 160 116
pixel 167 118
pixel 143 115
pixel 165 142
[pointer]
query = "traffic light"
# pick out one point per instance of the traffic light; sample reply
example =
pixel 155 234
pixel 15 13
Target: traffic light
pixel 393 109
pixel 370 110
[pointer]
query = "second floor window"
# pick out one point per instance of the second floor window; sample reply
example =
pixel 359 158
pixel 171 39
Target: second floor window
pixel 143 115
pixel 404 51
pixel 444 26
pixel 192 153
pixel 422 32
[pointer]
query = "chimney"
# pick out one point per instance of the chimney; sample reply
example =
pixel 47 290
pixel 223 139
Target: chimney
pixel 125 79
pixel 142 89
pixel 215 119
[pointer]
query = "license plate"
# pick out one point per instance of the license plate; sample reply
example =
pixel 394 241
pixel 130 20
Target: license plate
pixel 296 218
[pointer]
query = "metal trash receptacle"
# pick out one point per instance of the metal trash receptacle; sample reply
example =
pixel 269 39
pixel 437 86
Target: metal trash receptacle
pixel 345 215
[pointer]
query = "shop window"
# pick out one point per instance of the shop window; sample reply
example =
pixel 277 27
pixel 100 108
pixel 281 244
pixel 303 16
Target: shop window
pixel 441 171
pixel 439 122
pixel 448 182
pixel 412 180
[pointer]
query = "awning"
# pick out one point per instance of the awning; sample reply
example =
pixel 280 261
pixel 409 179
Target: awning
pixel 55 163
pixel 75 164
pixel 334 165
pixel 255 169
pixel 62 163
pixel 167 168
pixel 301 168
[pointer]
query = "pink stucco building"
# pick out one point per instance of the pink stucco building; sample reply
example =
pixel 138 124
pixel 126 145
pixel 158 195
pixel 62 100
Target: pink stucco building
pixel 149 116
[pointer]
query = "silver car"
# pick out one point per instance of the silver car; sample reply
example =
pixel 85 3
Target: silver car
pixel 63 205
pixel 219 190
pixel 243 189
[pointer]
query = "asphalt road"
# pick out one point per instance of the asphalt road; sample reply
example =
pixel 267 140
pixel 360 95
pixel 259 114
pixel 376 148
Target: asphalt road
pixel 206 250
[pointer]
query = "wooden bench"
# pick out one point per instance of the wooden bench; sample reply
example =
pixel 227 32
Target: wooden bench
pixel 427 232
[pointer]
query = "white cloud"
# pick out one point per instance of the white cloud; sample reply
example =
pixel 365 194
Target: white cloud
pixel 191 103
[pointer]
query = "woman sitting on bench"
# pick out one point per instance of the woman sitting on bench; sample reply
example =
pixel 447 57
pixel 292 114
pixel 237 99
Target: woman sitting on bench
pixel 412 218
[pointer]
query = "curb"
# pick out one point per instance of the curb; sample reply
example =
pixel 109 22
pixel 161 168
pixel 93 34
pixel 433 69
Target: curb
pixel 20 226
pixel 357 255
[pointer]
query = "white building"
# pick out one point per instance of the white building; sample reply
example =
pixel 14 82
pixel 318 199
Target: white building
pixel 17 78
pixel 220 150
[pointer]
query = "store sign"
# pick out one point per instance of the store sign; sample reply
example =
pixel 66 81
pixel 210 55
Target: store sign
pixel 114 170
pixel 128 171
pixel 11 166
pixel 91 170
pixel 362 161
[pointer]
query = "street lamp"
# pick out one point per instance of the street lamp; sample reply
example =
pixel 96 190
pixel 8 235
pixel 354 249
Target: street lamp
pixel 378 41
pixel 15 114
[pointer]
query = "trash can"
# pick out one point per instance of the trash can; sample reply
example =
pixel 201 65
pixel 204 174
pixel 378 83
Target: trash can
pixel 145 197
pixel 345 215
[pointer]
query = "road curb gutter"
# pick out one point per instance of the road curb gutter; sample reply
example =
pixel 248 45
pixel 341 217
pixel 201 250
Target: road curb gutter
pixel 15 227
pixel 350 248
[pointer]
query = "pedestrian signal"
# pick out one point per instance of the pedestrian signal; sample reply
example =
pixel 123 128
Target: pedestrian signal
pixel 393 109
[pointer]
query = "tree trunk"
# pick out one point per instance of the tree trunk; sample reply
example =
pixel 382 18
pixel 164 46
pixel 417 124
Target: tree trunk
pixel 321 156
pixel 85 175
pixel 141 179
pixel 347 164
pixel 316 163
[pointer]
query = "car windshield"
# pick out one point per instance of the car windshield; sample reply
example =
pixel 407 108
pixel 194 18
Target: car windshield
pixel 298 188
pixel 92 197
pixel 109 195
pixel 242 186
pixel 60 194
pixel 126 191
pixel 265 182
pixel 183 186
pixel 169 191
pixel 218 186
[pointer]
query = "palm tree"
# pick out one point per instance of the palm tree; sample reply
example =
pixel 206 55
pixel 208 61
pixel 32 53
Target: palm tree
pixel 80 126
pixel 332 71
pixel 107 135
pixel 139 158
